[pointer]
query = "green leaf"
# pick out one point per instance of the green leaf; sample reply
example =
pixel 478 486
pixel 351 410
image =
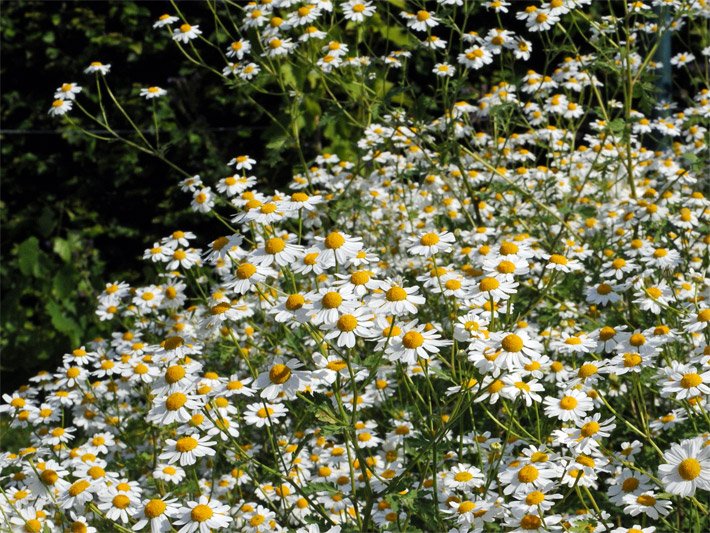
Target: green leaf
pixel 62 248
pixel 28 257
pixel 63 323
pixel 63 283
pixel 617 125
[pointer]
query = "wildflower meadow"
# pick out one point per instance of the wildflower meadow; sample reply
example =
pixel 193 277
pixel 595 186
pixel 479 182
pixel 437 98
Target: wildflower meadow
pixel 480 303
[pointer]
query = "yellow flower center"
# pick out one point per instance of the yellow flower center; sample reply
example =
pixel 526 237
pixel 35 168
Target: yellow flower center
pixel 294 302
pixel 186 444
pixel 530 521
pixel 632 359
pixel 568 403
pixel 49 477
pixel 660 252
pixel 422 15
pixel 336 365
pixel 512 343
pixel 535 498
pixel 508 248
pixel 637 340
pixel 174 374
pixel 246 271
pixel 121 501
pixel 78 487
pixel 412 340
pixel 463 477
pixel 558 259
pixel 347 323
pixel 154 508
pixel 647 500
pixel 311 259
pixel 630 484
pixel 201 513
pixel 488 284
pixel 466 506
pixel 274 246
pixel 175 401
pixel 220 308
pixel 279 374
pixel 429 239
pixel 506 267
pixel 654 292
pixel 689 469
pixel 396 294
pixel 361 277
pixel 690 380
pixel 334 240
pixel 528 474
pixel 331 300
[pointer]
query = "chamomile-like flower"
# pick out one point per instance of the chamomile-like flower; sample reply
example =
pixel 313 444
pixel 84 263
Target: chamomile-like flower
pixel 686 467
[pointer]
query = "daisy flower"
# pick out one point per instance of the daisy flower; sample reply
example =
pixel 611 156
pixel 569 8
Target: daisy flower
pixel 187 450
pixel 648 504
pixel 157 514
pixel 242 162
pixel 165 20
pixel 67 91
pixel 260 415
pixel 464 477
pixel 681 59
pixel 416 341
pixel 395 299
pixel 176 407
pixel 247 276
pixel 185 33
pixel 604 294
pixel 339 246
pixel 475 57
pixel 494 288
pixel 431 243
pixel 118 505
pixel 575 344
pixel 516 350
pixel 698 321
pixel 152 92
pixel 204 515
pixel 686 467
pixel 420 21
pixel 357 10
pixel 60 107
pixel 526 477
pixel 444 70
pixel 557 262
pixel 169 473
pixel 276 250
pixel 239 49
pixel 276 47
pixel 76 495
pixel 572 407
pixel 349 326
pixel 282 378
pixel 97 67
pixel 516 387
pixel 329 304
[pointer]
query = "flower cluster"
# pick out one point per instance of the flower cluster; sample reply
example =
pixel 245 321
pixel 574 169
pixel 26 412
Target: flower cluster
pixel 473 325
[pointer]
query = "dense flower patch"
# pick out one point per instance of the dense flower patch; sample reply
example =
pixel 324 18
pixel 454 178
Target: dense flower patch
pixel 495 319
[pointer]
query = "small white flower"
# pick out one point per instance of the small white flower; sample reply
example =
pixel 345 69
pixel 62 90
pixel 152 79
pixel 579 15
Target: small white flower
pixel 185 33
